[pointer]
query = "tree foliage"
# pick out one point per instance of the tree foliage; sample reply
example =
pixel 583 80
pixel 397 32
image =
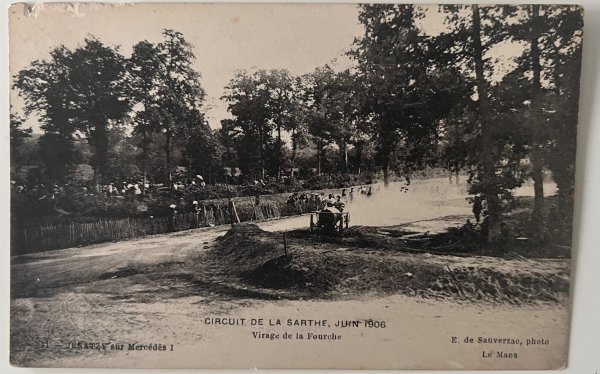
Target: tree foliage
pixel 75 94
pixel 414 98
pixel 261 102
pixel 167 88
pixel 404 96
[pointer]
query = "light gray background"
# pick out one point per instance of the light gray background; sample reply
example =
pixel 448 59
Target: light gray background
pixel 585 324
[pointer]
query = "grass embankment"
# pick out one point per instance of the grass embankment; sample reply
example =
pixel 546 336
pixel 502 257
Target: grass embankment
pixel 360 262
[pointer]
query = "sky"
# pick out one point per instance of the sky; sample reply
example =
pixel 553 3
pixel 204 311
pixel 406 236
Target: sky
pixel 226 38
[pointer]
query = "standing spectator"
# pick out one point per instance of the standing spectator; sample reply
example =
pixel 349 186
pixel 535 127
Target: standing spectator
pixel 257 199
pixel 339 204
pixel 485 226
pixel 196 210
pixel 330 200
pixel 320 201
pixel 477 207
pixel 171 221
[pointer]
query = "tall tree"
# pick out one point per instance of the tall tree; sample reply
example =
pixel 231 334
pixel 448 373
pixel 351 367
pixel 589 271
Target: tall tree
pixel 46 89
pixel 250 125
pixel 486 168
pixel 296 121
pixel 100 99
pixel 202 149
pixel 468 42
pixel 321 109
pixel 551 38
pixel 282 107
pixel 400 87
pixel 80 91
pixel 560 48
pixel 169 89
pixel 142 78
pixel 536 124
pixel 347 101
pixel 261 102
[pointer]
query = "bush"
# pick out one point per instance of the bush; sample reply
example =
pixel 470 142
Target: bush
pixel 74 204
pixel 327 181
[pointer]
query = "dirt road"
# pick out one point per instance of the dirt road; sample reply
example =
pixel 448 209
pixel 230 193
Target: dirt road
pixel 159 291
pixel 152 291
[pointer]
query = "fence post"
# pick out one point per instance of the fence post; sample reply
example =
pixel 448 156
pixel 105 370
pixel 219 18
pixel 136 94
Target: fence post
pixel 235 213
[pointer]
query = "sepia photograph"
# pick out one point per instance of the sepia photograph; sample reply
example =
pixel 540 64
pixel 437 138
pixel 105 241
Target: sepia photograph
pixel 292 186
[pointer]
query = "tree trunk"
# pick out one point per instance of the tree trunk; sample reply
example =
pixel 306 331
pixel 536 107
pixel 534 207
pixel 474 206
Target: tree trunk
pixel 359 156
pixel 386 170
pixel 279 151
pixel 168 158
pixel 537 216
pixel 344 155
pixel 486 164
pixel 387 153
pixel 346 159
pixel 144 160
pixel 144 179
pixel 457 171
pixel 97 175
pixel 537 158
pixel 563 170
pixel 319 155
pixel 262 153
pixel 294 147
pixel 564 184
pixel 99 143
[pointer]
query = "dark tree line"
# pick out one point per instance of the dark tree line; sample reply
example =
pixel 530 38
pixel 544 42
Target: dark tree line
pixel 413 99
pixel 517 118
pixel 94 91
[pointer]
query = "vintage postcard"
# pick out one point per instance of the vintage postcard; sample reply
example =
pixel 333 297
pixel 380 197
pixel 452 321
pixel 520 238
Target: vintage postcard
pixel 331 186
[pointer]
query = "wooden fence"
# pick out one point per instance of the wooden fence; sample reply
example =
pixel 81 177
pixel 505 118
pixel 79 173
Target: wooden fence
pixel 45 238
